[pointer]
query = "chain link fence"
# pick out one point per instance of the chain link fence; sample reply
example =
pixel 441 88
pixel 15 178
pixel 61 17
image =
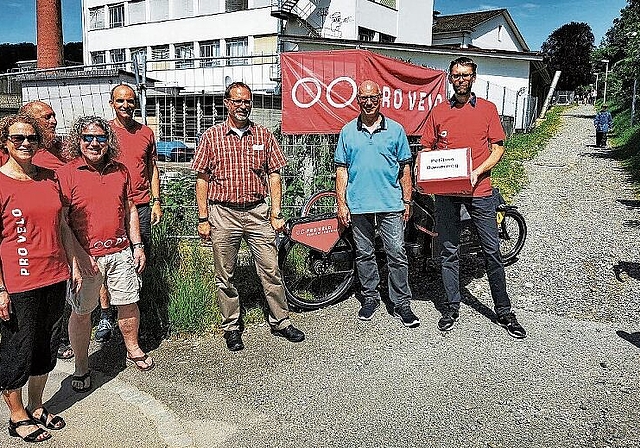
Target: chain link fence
pixel 181 98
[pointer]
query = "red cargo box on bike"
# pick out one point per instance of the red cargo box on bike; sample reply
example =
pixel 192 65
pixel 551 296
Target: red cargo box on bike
pixel 317 232
pixel 444 172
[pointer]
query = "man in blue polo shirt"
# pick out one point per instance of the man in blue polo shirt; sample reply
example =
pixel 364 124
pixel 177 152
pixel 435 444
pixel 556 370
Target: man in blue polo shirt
pixel 373 185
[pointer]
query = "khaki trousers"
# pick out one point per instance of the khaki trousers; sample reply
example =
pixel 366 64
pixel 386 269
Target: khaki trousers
pixel 228 227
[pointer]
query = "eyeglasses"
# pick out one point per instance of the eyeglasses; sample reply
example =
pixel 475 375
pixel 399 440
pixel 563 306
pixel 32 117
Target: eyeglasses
pixel 459 76
pixel 88 138
pixel 375 99
pixel 17 139
pixel 240 102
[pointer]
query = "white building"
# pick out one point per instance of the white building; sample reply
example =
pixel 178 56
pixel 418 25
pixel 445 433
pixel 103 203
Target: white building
pixel 236 39
pixel 195 48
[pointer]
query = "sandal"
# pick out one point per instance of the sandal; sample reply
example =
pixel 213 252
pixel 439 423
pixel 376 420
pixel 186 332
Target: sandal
pixel 142 359
pixel 31 437
pixel 55 423
pixel 83 380
pixel 65 351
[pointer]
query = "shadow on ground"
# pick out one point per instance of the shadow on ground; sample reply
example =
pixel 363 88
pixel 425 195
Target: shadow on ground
pixel 625 269
pixel 633 338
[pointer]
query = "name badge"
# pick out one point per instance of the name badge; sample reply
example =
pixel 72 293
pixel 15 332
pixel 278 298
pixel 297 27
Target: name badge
pixel 258 147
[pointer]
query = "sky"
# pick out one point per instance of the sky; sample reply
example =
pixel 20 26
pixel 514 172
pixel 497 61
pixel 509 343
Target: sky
pixel 536 19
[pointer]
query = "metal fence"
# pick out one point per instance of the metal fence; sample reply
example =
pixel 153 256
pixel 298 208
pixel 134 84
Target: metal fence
pixel 181 98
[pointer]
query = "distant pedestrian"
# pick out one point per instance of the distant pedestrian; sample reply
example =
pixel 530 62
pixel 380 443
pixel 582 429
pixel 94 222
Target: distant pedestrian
pixel 238 163
pixel 373 187
pixel 603 123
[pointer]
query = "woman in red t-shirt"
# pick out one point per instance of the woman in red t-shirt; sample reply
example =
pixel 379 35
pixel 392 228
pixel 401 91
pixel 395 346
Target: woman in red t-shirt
pixel 34 269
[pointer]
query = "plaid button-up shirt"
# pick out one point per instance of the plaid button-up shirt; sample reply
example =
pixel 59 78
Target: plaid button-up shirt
pixel 238 168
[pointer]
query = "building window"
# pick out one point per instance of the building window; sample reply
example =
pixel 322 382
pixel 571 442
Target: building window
pixel 386 38
pixel 97 57
pixel 160 52
pixel 208 7
pixel 184 52
pixel 181 9
pixel 365 34
pixel 500 31
pixel 116 16
pixel 237 47
pixel 96 18
pixel 159 10
pixel 137 12
pixel 235 5
pixel 139 53
pixel 117 55
pixel 209 49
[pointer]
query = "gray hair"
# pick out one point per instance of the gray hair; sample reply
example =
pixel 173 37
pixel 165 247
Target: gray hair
pixel 72 142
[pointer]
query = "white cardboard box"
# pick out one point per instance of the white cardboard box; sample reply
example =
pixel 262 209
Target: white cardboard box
pixel 444 171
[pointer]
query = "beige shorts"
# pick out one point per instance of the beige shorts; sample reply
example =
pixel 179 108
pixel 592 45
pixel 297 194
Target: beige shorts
pixel 118 274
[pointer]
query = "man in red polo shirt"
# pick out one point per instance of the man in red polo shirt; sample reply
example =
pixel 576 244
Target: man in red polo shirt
pixel 97 193
pixel 466 121
pixel 235 162
pixel 138 153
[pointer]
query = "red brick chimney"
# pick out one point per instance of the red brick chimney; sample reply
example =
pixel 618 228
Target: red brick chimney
pixel 49 33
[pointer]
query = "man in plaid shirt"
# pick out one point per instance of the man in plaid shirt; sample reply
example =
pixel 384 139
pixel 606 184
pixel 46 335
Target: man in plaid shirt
pixel 238 163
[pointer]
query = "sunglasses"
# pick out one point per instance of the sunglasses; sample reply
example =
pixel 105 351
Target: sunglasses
pixel 88 138
pixel 17 139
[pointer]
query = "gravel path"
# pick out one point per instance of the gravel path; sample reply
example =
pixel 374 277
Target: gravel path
pixel 582 255
pixel 573 383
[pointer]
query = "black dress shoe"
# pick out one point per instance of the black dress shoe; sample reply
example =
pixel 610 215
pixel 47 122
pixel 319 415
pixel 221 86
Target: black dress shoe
pixel 290 333
pixel 234 340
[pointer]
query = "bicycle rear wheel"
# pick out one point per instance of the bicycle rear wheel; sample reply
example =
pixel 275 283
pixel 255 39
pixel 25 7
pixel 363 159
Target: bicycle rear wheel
pixel 512 230
pixel 321 203
pixel 312 279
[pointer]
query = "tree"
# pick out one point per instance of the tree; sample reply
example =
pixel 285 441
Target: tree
pixel 568 49
pixel 621 46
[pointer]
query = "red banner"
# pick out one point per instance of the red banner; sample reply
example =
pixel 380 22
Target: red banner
pixel 319 90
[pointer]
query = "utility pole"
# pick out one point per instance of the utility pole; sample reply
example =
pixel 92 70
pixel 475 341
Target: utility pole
pixel 606 77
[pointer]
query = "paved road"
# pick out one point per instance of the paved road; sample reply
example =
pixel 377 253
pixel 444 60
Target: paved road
pixel 573 382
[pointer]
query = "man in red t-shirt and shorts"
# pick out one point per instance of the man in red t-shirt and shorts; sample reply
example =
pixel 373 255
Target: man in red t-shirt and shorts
pixel 96 191
pixel 138 153
pixel 466 121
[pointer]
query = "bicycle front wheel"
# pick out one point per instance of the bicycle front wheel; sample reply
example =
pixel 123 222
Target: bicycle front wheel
pixel 313 279
pixel 512 230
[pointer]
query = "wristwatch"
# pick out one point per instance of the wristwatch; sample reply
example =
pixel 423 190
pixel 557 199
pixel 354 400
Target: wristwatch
pixel 154 200
pixel 3 289
pixel 202 219
pixel 139 245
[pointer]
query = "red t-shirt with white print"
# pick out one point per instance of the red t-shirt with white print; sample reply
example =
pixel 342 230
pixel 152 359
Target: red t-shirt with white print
pixel 31 248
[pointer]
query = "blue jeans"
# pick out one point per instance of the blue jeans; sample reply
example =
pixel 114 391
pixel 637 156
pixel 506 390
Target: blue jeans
pixel 483 215
pixel 391 227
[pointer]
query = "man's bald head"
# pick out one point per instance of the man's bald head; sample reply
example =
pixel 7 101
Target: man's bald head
pixel 368 88
pixel 369 101
pixel 42 112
